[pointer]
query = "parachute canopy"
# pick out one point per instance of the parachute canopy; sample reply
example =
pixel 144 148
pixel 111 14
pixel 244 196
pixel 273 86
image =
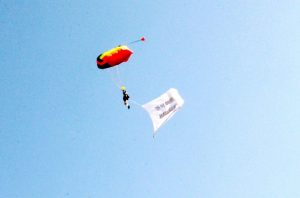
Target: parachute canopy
pixel 164 107
pixel 114 57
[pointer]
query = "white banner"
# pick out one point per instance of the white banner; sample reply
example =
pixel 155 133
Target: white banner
pixel 164 107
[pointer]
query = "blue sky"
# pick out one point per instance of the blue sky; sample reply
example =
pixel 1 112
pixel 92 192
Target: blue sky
pixel 65 133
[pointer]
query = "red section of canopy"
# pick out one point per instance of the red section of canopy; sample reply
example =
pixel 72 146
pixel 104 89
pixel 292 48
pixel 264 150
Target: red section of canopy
pixel 120 56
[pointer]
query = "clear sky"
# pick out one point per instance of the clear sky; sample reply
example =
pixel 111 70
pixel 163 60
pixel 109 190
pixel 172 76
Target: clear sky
pixel 64 131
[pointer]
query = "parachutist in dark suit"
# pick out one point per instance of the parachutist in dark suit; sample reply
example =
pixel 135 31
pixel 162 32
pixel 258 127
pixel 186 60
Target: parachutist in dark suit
pixel 126 98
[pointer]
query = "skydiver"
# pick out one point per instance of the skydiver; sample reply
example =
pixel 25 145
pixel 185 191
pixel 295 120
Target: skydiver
pixel 126 98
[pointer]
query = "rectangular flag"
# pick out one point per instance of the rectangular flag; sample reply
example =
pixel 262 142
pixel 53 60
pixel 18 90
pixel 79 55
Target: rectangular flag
pixel 164 107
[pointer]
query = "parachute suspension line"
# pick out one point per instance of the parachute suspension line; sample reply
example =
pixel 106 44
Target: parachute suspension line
pixel 115 83
pixel 116 79
pixel 119 78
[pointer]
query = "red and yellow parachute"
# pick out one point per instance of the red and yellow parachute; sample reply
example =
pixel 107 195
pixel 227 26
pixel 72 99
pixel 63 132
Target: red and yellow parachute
pixel 115 56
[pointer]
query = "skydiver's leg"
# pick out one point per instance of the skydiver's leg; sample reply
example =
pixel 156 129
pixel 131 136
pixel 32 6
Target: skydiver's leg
pixel 127 104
